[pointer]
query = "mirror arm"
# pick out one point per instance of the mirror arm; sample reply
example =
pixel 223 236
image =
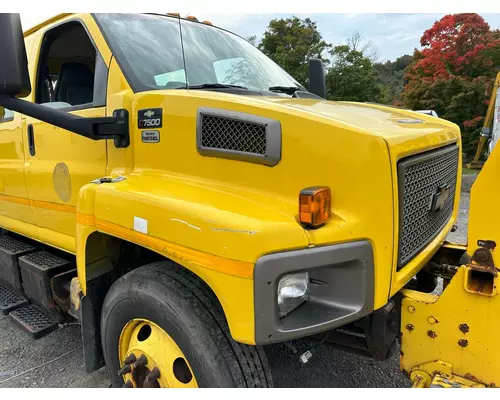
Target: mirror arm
pixel 115 127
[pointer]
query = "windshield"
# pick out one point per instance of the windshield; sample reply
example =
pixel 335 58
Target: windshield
pixel 158 52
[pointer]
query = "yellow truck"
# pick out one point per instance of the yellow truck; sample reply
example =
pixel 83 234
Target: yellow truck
pixel 186 201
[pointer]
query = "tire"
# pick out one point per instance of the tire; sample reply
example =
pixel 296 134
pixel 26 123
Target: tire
pixel 186 309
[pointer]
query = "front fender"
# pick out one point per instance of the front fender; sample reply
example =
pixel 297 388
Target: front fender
pixel 218 233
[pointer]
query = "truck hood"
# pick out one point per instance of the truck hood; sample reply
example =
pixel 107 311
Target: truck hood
pixel 393 124
pixel 396 126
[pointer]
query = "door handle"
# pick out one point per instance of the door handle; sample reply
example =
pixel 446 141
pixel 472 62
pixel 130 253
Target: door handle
pixel 31 140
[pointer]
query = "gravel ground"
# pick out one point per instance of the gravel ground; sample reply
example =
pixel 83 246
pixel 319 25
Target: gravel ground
pixel 56 360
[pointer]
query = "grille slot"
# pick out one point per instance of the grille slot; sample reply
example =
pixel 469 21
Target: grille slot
pixel 420 177
pixel 230 134
pixel 239 136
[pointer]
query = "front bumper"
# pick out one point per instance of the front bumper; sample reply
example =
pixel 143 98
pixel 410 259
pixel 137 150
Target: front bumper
pixel 341 290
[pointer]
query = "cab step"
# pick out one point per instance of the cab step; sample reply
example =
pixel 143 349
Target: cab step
pixel 10 251
pixel 10 298
pixel 37 271
pixel 33 320
pixel 43 261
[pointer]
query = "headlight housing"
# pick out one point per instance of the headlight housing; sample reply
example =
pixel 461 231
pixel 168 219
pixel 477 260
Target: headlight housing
pixel 293 290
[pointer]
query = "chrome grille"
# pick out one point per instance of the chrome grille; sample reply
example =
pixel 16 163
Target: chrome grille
pixel 229 134
pixel 422 177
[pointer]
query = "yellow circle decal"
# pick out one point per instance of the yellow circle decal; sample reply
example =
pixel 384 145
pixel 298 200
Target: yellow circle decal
pixel 62 181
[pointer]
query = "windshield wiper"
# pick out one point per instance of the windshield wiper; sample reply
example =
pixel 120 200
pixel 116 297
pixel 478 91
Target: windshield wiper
pixel 285 89
pixel 214 86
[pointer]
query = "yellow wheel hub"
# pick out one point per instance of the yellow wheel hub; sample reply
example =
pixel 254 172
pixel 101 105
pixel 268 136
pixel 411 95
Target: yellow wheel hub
pixel 150 358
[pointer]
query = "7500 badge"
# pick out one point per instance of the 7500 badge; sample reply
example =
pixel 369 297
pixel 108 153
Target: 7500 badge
pixel 150 118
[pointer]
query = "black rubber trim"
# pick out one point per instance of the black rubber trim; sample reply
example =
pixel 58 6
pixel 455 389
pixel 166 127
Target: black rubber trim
pixel 341 290
pixel 273 137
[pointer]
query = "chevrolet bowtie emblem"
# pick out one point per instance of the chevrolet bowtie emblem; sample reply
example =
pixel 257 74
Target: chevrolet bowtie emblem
pixel 439 197
pixel 149 113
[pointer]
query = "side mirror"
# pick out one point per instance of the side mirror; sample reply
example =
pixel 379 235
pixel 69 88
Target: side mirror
pixel 14 76
pixel 317 77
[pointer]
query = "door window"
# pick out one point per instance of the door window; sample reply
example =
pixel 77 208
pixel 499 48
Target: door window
pixel 6 115
pixel 71 72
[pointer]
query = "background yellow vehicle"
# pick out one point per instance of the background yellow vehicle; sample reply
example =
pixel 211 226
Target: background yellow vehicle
pixel 188 201
pixel 489 134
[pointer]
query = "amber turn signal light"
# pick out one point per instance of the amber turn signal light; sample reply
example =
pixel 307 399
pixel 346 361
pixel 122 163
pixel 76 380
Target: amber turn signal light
pixel 315 205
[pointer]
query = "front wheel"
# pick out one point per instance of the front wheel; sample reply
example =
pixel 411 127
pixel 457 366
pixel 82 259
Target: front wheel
pixel 162 327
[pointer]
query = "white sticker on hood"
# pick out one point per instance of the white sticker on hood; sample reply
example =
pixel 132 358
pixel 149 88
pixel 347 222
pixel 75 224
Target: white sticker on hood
pixel 141 225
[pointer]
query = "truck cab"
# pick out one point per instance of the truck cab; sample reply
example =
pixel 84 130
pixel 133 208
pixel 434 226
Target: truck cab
pixel 188 201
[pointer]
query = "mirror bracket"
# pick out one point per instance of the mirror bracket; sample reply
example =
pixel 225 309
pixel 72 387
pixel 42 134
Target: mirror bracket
pixel 115 127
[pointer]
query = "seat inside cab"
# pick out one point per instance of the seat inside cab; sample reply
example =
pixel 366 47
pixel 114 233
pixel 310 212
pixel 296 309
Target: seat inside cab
pixel 67 66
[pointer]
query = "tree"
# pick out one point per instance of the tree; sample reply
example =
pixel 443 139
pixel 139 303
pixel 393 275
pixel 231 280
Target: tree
pixel 357 42
pixel 455 71
pixel 351 76
pixel 459 44
pixel 247 73
pixel 252 39
pixel 457 99
pixel 291 42
pixel 391 77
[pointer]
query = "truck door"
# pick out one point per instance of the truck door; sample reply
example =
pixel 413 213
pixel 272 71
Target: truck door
pixel 14 203
pixel 72 76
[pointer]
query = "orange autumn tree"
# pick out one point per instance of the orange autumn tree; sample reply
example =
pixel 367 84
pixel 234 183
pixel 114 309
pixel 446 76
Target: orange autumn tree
pixel 454 72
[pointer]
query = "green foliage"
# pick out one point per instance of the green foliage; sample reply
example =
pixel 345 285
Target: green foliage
pixel 291 42
pixel 352 76
pixel 391 77
pixel 456 99
pixel 253 39
pixel 452 74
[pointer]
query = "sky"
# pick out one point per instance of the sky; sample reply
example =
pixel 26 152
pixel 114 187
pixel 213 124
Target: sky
pixel 392 34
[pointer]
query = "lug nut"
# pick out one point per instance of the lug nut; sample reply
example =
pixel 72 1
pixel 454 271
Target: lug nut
pixel 130 359
pixel 142 360
pixel 128 385
pixel 127 369
pixel 153 375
